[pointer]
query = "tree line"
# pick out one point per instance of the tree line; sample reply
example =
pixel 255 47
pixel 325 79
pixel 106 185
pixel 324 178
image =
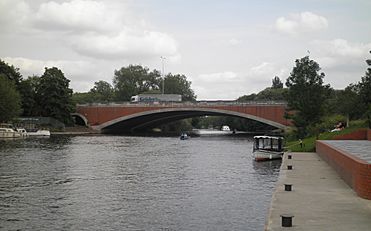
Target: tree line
pixel 50 94
pixel 134 80
pixel 313 105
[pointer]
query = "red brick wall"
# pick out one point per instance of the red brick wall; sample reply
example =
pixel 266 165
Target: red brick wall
pixel 360 134
pixel 369 134
pixel 354 171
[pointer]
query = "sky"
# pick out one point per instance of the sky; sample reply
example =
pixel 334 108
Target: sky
pixel 226 48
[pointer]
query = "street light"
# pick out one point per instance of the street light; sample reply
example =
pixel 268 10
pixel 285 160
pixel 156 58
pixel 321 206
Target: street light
pixel 163 74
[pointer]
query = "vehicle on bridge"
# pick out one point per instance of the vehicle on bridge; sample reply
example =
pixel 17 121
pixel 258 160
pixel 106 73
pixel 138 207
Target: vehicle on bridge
pixel 155 98
pixel 267 148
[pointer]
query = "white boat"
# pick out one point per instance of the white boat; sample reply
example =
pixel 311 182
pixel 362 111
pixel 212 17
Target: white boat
pixel 9 133
pixel 40 132
pixel 267 148
pixel 22 132
pixel 184 136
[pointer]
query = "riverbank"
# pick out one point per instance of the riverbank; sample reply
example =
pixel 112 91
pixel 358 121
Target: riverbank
pixel 319 200
pixel 78 130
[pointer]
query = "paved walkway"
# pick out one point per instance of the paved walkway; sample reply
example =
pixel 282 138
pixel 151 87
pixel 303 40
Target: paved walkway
pixel 319 200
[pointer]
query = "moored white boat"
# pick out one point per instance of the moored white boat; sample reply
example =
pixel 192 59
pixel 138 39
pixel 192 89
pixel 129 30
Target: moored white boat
pixel 22 132
pixel 9 133
pixel 40 132
pixel 267 148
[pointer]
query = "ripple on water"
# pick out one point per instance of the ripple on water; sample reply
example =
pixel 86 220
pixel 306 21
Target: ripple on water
pixel 133 183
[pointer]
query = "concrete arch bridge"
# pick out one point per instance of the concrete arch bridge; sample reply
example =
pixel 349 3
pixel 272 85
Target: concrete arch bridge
pixel 126 117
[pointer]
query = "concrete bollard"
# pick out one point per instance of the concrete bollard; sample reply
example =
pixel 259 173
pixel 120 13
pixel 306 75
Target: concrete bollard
pixel 289 167
pixel 286 220
pixel 288 187
pixel 289 156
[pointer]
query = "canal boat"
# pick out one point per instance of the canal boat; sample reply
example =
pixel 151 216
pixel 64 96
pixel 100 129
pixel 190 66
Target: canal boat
pixel 9 133
pixel 267 148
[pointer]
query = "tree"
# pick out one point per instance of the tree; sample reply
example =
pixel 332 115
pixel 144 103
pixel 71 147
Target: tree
pixel 178 84
pixel 10 100
pixel 54 95
pixel 306 94
pixel 102 91
pixel 365 91
pixel 27 89
pixel 10 72
pixel 277 83
pixel 133 80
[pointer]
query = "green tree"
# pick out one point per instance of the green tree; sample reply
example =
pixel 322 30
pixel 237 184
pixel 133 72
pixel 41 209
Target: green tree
pixel 10 72
pixel 178 84
pixel 102 91
pixel 277 83
pixel 306 94
pixel 54 95
pixel 133 80
pixel 365 91
pixel 27 89
pixel 10 100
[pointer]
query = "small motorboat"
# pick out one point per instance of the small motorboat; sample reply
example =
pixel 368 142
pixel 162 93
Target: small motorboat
pixel 184 136
pixel 267 148
pixel 22 132
pixel 39 132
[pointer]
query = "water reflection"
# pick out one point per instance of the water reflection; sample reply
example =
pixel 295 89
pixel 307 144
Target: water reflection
pixel 133 183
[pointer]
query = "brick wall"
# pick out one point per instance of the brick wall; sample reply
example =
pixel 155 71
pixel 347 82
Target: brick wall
pixel 360 134
pixel 354 171
pixel 369 134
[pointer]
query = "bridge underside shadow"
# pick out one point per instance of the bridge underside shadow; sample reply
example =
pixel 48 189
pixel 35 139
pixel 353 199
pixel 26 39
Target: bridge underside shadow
pixel 147 120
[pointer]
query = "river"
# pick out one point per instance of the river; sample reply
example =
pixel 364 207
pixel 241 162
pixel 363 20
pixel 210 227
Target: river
pixel 133 183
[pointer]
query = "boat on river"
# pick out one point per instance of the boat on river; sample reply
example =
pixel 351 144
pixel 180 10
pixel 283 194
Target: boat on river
pixel 39 132
pixel 9 133
pixel 267 148
pixel 184 136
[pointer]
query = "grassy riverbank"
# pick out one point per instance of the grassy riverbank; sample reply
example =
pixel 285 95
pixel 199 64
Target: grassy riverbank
pixel 309 143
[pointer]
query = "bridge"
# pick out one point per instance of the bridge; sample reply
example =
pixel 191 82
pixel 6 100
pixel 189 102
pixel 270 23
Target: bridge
pixel 128 117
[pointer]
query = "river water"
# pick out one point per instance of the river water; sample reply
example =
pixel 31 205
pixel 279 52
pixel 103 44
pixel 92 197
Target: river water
pixel 133 183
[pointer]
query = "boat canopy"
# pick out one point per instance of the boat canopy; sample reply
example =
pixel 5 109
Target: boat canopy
pixel 268 137
pixel 271 143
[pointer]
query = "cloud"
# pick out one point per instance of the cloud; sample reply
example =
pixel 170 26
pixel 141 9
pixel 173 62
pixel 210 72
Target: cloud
pixel 127 44
pixel 97 29
pixel 81 73
pixel 222 76
pixel 301 22
pixel 78 16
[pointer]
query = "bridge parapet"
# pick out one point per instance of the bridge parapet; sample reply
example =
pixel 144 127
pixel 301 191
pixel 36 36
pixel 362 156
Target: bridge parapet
pixel 102 116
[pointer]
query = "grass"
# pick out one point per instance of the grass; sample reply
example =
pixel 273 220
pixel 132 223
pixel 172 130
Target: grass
pixel 309 143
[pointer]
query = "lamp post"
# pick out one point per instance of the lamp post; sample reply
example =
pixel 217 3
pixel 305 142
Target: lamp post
pixel 163 74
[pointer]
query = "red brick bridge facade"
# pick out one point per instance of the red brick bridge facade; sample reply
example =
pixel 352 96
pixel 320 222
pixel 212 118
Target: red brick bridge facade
pixel 129 117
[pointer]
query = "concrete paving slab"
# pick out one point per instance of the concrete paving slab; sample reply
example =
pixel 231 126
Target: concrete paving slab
pixel 319 200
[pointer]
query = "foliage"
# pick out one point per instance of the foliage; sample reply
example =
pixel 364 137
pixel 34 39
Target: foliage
pixel 309 143
pixel 133 80
pixel 365 91
pixel 54 95
pixel 27 89
pixel 178 84
pixel 306 94
pixel 277 83
pixel 10 72
pixel 268 94
pixel 10 101
pixel 83 97
pixel 102 91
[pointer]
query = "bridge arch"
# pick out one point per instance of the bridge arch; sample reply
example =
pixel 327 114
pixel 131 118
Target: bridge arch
pixel 144 119
pixel 79 119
